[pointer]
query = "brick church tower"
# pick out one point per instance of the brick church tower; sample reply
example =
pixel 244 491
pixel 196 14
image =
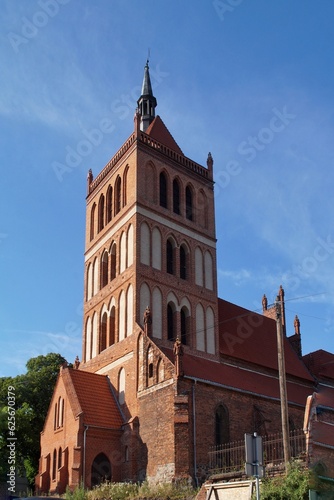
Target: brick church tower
pixel 150 243
pixel 168 369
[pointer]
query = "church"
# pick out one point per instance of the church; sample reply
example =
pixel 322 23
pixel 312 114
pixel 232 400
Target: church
pixel 168 369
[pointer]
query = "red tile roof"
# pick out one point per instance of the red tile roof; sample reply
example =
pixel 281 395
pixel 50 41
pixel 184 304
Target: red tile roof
pixel 91 394
pixel 237 378
pixel 325 397
pixel 158 131
pixel 252 338
pixel 320 363
pixel 323 432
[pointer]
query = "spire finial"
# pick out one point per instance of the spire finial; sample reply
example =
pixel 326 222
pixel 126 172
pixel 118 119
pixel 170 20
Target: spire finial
pixel 146 102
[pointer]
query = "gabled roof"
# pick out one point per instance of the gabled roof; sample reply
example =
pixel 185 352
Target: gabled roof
pixel 91 394
pixel 325 397
pixel 240 379
pixel 252 338
pixel 323 433
pixel 320 363
pixel 158 131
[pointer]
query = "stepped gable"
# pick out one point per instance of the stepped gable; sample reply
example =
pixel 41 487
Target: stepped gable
pixel 241 379
pixel 252 337
pixel 91 394
pixel 158 131
pixel 320 363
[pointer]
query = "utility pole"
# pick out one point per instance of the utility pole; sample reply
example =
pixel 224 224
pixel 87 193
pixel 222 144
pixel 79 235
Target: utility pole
pixel 282 384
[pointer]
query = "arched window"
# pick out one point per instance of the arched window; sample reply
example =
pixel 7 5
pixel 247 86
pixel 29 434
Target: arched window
pixel 121 386
pixel 94 335
pixel 104 269
pixel 101 214
pixel 101 470
pixel 170 322
pixel 125 185
pixel 55 420
pixel 208 270
pixel 200 336
pixel 176 196
pixel 123 253
pixel 121 316
pixel 113 261
pixel 92 222
pixel 210 331
pixel 118 194
pixel 112 326
pixel 183 262
pixel 189 203
pixel 150 369
pixel 170 257
pixel 156 248
pixel 60 419
pixel 95 276
pixel 103 332
pixel 185 326
pixel 199 267
pixel 160 371
pixel 163 190
pixel 109 204
pixel 157 313
pixel 129 311
pixel 60 456
pixel 54 465
pixel 129 244
pixel 145 244
pixel 222 430
pixel 88 339
pixel 89 282
pixel 202 209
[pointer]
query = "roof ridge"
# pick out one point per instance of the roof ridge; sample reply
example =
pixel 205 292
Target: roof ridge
pixel 159 131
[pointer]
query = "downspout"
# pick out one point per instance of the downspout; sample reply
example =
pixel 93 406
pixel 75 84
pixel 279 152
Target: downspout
pixel 84 457
pixel 194 431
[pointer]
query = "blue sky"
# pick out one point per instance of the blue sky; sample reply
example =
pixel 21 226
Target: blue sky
pixel 249 80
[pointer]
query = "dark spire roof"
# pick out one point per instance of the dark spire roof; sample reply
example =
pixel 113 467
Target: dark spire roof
pixel 146 89
pixel 146 102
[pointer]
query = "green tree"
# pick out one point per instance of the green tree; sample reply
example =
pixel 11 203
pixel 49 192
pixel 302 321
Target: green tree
pixel 33 392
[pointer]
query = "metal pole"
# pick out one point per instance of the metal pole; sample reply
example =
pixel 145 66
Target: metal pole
pixel 282 384
pixel 256 463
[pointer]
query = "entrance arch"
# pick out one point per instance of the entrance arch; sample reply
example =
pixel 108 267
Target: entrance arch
pixel 101 470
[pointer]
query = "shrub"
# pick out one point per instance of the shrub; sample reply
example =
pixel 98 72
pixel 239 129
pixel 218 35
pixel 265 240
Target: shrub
pixel 293 486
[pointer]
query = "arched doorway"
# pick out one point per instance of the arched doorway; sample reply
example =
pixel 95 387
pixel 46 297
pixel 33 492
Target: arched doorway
pixel 101 470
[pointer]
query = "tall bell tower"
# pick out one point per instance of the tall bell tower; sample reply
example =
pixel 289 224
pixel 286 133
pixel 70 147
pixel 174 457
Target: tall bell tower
pixel 150 244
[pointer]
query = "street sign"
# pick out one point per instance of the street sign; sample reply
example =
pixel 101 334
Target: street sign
pixel 254 455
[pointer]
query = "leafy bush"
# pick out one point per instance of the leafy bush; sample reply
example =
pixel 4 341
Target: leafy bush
pixel 293 486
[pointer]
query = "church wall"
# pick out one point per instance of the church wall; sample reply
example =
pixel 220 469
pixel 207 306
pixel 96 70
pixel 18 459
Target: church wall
pixel 109 443
pixel 156 416
pixel 122 355
pixel 246 414
pixel 64 436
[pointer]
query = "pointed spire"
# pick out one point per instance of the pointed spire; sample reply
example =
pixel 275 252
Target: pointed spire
pixel 146 102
